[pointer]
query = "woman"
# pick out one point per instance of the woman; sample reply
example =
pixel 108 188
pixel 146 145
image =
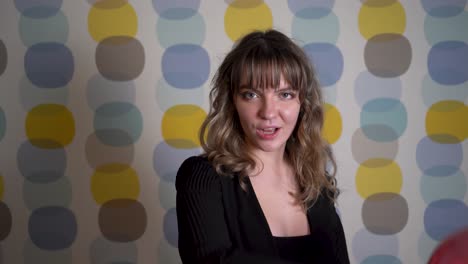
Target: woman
pixel 260 193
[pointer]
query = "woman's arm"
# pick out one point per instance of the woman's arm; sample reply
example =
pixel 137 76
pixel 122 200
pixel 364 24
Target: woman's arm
pixel 203 233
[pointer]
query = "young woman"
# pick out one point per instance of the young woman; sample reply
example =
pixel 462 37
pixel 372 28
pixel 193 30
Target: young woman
pixel 261 192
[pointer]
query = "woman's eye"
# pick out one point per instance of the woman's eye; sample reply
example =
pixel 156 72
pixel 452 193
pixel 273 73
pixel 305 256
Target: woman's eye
pixel 249 95
pixel 287 95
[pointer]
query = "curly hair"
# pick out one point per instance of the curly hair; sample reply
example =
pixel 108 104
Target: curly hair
pixel 259 59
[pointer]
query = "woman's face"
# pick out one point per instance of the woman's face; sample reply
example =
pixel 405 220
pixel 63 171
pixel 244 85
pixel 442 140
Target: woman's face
pixel 267 116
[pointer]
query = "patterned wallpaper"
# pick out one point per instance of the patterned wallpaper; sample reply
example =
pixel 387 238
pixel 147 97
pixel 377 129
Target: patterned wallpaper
pixel 100 102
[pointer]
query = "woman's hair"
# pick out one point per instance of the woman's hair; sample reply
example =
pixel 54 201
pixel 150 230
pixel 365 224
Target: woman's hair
pixel 259 60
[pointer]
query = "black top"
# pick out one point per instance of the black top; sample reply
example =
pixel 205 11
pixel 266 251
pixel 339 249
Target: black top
pixel 304 249
pixel 219 222
pixel 295 248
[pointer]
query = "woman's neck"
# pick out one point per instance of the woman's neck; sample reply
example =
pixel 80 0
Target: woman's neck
pixel 273 168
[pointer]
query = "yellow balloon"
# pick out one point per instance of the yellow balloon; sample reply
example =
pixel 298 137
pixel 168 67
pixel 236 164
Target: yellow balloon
pixel 110 18
pixel 378 176
pixel 447 122
pixel 114 181
pixel 333 124
pixel 181 124
pixel 380 17
pixel 50 126
pixel 244 16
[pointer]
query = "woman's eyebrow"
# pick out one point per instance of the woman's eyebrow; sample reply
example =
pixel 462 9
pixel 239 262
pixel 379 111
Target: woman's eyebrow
pixel 285 88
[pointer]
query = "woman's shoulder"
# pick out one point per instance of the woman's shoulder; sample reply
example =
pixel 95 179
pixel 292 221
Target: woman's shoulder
pixel 197 174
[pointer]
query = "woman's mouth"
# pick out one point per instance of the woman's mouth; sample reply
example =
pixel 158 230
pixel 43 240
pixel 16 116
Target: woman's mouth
pixel 268 133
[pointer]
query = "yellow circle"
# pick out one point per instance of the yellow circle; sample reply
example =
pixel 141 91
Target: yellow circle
pixel 2 188
pixel 114 181
pixel 377 17
pixel 378 176
pixel 180 125
pixel 447 122
pixel 109 18
pixel 242 17
pixel 50 126
pixel 333 124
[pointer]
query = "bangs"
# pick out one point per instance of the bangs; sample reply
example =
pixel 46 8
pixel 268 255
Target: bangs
pixel 263 67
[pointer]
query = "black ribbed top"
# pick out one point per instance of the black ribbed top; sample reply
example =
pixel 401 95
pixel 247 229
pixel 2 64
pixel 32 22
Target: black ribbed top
pixel 297 248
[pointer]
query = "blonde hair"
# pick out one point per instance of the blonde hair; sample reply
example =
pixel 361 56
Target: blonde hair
pixel 259 59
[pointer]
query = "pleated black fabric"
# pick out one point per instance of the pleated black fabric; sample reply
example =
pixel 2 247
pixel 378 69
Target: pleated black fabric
pixel 219 222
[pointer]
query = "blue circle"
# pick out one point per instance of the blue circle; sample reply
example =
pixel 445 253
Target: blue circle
pixel 38 8
pixel 167 160
pixel 176 10
pixel 445 217
pixel 2 124
pixel 49 65
pixel 311 9
pixel 171 232
pixel 39 165
pixel 443 8
pixel 383 119
pixel 327 60
pixel 118 123
pixel 436 159
pixel 448 62
pixel 185 66
pixel 52 228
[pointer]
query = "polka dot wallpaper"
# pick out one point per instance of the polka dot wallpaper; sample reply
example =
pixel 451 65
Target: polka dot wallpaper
pixel 101 101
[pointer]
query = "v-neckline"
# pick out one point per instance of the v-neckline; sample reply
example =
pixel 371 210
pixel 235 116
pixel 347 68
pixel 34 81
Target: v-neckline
pixel 262 215
pixel 259 208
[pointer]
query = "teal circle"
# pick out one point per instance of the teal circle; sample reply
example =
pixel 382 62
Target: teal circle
pixel 381 259
pixel 51 29
pixel 383 119
pixel 118 123
pixel 191 30
pixel 2 123
pixel 103 251
pixel 101 90
pixel 426 246
pixel 325 29
pixel 168 254
pixel 433 92
pixel 57 193
pixel 368 87
pixel 435 188
pixel 329 94
pixel 167 96
pixel 167 194
pixel 31 95
pixel 439 29
pixel 365 244
pixel 34 255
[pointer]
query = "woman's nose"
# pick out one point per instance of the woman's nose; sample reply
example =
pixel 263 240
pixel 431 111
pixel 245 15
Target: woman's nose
pixel 268 108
